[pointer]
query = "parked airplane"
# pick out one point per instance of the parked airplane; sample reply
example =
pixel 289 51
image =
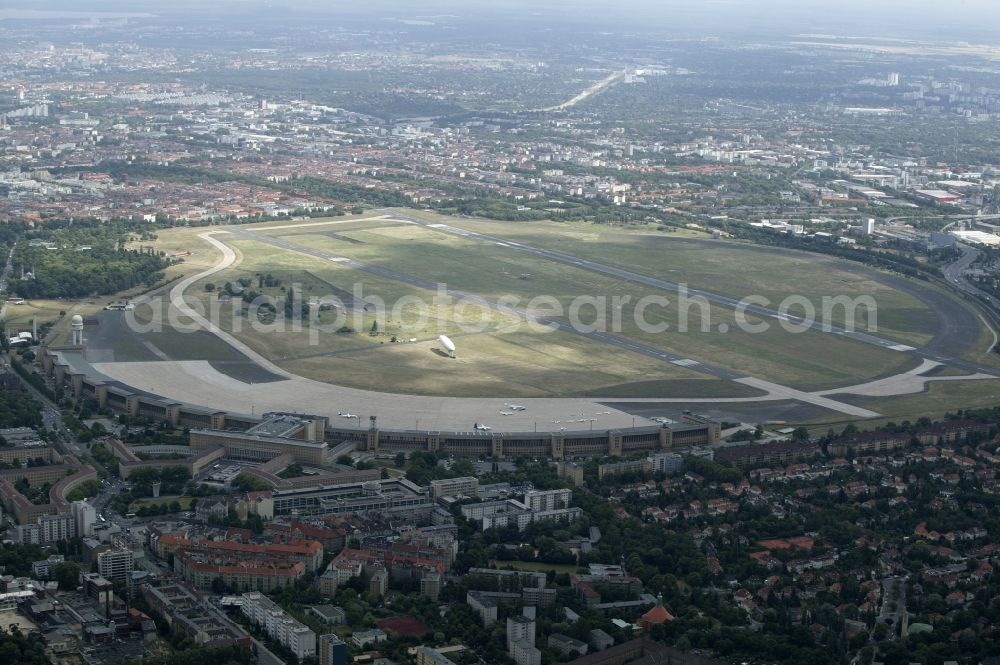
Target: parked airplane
pixel 347 415
pixel 484 428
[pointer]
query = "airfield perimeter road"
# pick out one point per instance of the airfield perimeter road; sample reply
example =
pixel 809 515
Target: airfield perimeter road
pixel 930 353
pixel 621 342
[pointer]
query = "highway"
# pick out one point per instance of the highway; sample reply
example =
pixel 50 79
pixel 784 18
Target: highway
pixel 955 272
pixel 590 91
pixel 954 275
pixel 766 312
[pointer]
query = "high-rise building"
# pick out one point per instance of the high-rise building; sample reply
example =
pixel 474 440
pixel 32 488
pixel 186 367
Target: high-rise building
pixel 332 650
pixel 430 584
pixel 85 516
pixel 521 639
pixel 116 564
pixel 48 529
pixel 667 463
pixel 520 629
pixel 281 626
pixel 539 500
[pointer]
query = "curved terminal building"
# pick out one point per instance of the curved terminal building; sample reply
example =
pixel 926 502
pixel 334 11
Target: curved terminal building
pixel 219 412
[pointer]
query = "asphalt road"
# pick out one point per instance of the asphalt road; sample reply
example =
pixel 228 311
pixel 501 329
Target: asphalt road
pixel 53 421
pixel 955 272
pixel 886 613
pixel 954 275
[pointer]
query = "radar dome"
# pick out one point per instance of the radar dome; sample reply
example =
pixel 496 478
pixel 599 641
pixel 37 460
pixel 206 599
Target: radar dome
pixel 77 319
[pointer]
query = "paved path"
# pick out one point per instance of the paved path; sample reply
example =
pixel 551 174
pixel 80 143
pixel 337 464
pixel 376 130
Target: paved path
pixel 177 301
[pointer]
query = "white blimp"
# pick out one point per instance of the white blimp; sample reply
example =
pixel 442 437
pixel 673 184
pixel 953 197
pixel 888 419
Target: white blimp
pixel 448 345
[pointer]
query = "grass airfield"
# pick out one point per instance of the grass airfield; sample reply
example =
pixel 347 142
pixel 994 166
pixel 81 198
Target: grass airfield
pixel 495 360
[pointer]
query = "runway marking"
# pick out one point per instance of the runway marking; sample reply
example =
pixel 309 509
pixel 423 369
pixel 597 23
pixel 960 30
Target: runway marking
pixel 902 347
pixel 381 218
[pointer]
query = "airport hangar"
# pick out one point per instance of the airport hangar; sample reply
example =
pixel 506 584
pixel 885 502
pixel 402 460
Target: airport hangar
pixel 241 436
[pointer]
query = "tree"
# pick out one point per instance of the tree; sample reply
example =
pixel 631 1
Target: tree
pixel 67 574
pixel 800 434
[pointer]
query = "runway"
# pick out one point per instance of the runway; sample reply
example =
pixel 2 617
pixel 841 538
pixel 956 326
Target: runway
pixel 817 326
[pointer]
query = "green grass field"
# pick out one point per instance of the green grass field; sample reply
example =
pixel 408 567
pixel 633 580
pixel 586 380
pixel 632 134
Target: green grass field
pixel 495 359
pixel 938 399
pixel 727 268
pixel 480 268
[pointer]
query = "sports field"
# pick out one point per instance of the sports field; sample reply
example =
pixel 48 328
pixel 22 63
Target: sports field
pixel 499 355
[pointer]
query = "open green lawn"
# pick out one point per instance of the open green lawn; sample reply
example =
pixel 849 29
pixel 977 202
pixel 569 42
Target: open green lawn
pixel 515 364
pixel 727 268
pixel 939 398
pixel 472 266
pixel 496 359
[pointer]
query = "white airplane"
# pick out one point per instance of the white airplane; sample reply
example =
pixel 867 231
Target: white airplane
pixel 603 413
pixel 517 407
pixel 347 415
pixel 506 413
pixel 484 428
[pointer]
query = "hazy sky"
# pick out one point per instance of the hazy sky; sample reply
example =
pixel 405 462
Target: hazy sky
pixel 973 20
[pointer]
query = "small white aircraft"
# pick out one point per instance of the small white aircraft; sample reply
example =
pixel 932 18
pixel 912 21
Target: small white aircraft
pixel 347 415
pixel 506 413
pixel 484 428
pixel 516 407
